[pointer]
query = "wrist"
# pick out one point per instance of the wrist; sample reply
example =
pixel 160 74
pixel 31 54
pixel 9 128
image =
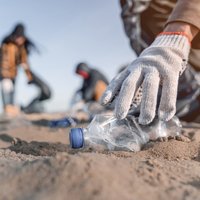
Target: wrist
pixel 189 30
pixel 173 34
pixel 175 41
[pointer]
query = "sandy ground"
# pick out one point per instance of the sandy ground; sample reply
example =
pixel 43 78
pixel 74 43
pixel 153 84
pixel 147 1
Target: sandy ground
pixel 37 163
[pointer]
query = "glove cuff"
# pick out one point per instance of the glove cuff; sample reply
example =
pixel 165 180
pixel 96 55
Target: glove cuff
pixel 175 41
pixel 176 33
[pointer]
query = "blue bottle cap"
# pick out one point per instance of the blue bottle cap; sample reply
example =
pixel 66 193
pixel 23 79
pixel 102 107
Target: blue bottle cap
pixel 76 138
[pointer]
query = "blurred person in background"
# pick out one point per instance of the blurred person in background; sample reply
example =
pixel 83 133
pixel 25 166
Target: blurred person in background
pixel 93 86
pixel 15 49
pixel 165 36
pixel 94 82
pixel 85 102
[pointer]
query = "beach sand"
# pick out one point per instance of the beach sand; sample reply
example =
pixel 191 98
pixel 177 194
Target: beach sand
pixel 36 162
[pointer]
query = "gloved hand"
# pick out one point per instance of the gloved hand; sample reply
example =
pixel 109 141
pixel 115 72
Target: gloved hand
pixel 158 65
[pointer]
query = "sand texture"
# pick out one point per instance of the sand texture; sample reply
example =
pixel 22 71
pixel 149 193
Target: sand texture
pixel 37 163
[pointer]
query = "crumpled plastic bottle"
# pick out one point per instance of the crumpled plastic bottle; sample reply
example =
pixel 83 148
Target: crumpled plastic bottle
pixel 105 132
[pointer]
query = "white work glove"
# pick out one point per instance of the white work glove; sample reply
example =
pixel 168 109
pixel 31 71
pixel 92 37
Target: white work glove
pixel 160 64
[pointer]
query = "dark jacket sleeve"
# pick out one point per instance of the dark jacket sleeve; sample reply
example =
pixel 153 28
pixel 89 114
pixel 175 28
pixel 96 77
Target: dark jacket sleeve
pixel 131 10
pixel 187 11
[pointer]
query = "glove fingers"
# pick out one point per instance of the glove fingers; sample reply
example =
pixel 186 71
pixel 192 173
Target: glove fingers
pixel 167 108
pixel 113 87
pixel 127 93
pixel 149 97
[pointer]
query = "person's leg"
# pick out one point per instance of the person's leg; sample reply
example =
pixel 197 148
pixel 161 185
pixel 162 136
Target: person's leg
pixel 7 91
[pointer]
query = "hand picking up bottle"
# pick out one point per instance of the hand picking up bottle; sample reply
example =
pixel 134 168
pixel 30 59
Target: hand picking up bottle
pixel 158 66
pixel 108 132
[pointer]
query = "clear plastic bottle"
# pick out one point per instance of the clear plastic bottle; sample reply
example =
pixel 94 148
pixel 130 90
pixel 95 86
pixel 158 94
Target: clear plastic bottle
pixel 107 132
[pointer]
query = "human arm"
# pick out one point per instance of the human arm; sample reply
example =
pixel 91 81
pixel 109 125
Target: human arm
pixel 130 14
pixel 190 30
pixel 187 12
pixel 25 65
pixel 159 64
pixel 8 61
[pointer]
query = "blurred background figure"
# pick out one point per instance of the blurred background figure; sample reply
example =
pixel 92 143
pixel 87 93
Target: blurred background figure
pixel 87 98
pixel 15 49
pixel 62 47
pixel 94 82
pixel 85 102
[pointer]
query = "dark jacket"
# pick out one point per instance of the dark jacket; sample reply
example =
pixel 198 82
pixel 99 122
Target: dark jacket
pixel 94 86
